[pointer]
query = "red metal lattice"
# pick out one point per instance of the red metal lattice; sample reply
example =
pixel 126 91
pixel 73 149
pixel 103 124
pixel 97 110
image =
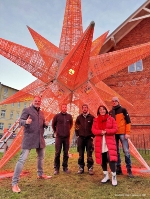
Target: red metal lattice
pixel 97 44
pixel 76 63
pixel 72 27
pixel 72 73
pixel 102 66
pixel 13 149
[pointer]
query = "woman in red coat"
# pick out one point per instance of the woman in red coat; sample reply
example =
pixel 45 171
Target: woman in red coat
pixel 104 128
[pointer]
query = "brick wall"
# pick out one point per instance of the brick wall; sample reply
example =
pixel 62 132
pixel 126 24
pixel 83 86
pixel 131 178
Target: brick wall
pixel 135 87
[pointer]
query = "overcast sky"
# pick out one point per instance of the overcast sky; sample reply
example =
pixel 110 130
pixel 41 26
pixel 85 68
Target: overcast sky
pixel 46 18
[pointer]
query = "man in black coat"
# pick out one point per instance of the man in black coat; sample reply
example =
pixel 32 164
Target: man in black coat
pixel 62 124
pixel 33 120
pixel 83 130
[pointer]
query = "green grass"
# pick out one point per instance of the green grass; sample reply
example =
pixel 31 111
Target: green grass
pixel 72 186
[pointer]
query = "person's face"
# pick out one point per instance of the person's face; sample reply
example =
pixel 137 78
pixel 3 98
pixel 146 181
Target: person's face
pixel 115 102
pixel 84 109
pixel 102 111
pixel 36 102
pixel 64 108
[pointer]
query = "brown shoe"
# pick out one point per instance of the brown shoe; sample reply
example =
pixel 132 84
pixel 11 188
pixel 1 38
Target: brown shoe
pixel 16 189
pixel 80 171
pixel 56 172
pixel 45 177
pixel 66 170
pixel 91 171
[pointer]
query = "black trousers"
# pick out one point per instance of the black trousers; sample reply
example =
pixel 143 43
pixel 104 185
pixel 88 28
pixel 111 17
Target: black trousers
pixel 82 144
pixel 59 143
pixel 105 160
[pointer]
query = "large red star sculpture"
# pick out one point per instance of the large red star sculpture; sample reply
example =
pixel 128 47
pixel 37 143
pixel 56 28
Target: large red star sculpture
pixel 73 72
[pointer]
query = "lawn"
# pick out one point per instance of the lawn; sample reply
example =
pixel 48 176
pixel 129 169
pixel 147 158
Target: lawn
pixel 72 186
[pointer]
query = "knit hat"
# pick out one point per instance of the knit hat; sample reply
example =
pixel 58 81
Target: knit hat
pixel 115 99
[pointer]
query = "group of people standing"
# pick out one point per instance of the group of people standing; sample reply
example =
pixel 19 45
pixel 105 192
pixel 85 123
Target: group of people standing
pixel 100 134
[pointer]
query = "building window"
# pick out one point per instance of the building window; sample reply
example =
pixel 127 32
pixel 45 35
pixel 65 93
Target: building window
pixel 18 104
pixel 3 112
pixel 17 115
pixel 12 104
pixel 137 66
pixel 11 115
pixel 9 126
pixel 1 126
pixel 5 91
pixel 25 105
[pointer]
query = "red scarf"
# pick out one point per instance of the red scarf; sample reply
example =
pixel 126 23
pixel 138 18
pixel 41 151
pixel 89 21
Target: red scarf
pixel 102 121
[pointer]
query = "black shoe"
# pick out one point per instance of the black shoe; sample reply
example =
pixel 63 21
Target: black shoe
pixel 91 171
pixel 66 171
pixel 130 173
pixel 80 171
pixel 119 171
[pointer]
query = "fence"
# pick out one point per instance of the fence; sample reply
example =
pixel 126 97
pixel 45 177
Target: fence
pixel 140 141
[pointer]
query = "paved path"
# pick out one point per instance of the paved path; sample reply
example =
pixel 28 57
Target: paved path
pixel 48 141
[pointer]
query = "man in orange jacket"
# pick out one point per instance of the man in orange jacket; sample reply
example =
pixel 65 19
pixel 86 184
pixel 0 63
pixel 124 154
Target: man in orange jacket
pixel 122 118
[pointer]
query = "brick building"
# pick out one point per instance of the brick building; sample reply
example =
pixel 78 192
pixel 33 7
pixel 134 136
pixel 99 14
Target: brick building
pixel 133 83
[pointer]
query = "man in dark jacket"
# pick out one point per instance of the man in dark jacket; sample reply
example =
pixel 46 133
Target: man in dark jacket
pixel 61 124
pixel 83 130
pixel 33 120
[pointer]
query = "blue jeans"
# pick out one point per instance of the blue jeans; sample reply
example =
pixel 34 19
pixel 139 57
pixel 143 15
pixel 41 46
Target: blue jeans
pixel 23 156
pixel 125 147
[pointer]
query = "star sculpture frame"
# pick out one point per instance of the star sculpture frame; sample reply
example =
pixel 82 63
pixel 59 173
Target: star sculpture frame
pixel 72 73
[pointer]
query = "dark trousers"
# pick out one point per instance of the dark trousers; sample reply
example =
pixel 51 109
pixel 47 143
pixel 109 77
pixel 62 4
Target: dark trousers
pixel 105 160
pixel 82 144
pixel 59 143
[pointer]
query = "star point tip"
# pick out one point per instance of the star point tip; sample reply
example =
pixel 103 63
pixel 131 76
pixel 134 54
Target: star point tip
pixel 92 23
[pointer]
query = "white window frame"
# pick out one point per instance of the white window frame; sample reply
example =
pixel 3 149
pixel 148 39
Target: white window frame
pixel 9 125
pixel 136 67
pixel 18 104
pixel 17 115
pixel 5 91
pixel 3 113
pixel 1 126
pixel 11 114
